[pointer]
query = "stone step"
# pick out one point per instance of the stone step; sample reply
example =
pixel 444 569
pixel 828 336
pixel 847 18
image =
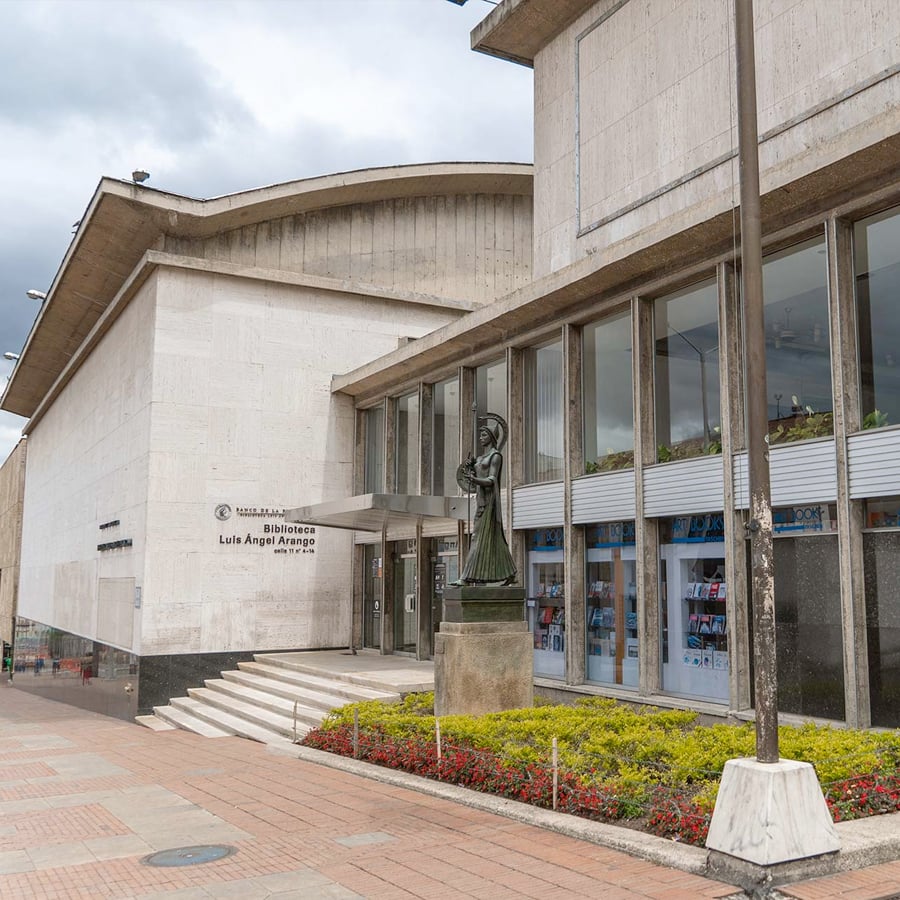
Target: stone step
pixel 410 682
pixel 275 722
pixel 181 717
pixel 264 700
pixel 315 679
pixel 154 723
pixel 232 719
pixel 307 696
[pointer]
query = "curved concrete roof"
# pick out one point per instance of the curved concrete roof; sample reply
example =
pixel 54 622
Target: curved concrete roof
pixel 124 220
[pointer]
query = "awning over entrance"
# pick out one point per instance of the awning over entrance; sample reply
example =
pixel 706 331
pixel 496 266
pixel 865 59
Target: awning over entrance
pixel 377 512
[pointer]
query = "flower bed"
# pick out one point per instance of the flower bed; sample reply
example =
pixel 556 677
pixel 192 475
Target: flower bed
pixel 657 770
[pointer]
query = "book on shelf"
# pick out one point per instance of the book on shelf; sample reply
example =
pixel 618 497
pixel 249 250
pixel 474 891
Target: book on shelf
pixel 547 614
pixel 597 617
pixel 705 624
pixel 720 660
pixel 631 620
pixel 694 642
pixel 718 625
pixel 706 658
pixel 714 590
pixel 704 591
pixel 722 591
pixel 693 623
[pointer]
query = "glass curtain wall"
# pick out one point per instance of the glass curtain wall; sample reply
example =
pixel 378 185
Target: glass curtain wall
pixel 445 438
pixel 798 351
pixel 608 405
pixel 490 396
pixel 544 413
pixel 876 245
pixel 407 446
pixel 374 450
pixel 686 368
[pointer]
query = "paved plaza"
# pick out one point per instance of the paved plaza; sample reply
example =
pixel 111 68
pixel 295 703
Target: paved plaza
pixel 85 798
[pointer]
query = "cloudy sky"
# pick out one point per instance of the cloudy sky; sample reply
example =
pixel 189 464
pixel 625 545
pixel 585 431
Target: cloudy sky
pixel 217 96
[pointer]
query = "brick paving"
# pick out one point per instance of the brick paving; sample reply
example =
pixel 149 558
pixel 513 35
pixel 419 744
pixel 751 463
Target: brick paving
pixel 84 798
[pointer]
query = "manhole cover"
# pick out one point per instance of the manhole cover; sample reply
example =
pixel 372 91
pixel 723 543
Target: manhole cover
pixel 189 856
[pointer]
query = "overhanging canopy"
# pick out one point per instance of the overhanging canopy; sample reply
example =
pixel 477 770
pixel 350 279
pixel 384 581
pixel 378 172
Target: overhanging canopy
pixel 377 512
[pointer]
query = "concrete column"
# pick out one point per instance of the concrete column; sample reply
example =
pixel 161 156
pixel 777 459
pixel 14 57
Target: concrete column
pixel 731 391
pixel 390 445
pixel 573 463
pixel 359 452
pixel 426 437
pixel 515 455
pixel 424 625
pixel 646 530
pixel 466 399
pixel 850 513
pixel 387 596
pixel 359 587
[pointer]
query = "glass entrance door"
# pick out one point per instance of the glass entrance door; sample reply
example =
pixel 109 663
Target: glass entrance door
pixel 373 596
pixel 405 628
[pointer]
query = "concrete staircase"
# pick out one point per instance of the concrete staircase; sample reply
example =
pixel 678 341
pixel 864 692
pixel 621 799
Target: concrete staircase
pixel 276 699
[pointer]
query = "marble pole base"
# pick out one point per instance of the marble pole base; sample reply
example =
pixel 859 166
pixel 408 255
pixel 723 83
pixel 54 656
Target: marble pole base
pixel 770 813
pixel 483 659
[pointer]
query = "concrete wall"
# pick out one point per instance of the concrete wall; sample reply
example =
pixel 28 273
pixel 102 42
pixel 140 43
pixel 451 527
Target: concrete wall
pixel 88 465
pixel 243 415
pixel 468 246
pixel 650 92
pixel 12 487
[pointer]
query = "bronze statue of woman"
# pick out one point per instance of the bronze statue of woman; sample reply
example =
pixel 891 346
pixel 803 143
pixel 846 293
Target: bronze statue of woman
pixel 489 559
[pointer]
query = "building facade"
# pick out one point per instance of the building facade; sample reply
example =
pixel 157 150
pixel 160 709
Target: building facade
pixel 621 373
pixel 178 384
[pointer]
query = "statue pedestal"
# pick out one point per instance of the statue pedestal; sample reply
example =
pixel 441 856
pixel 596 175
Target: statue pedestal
pixel 483 660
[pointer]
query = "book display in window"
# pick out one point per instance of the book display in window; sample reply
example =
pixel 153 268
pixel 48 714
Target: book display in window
pixel 706 642
pixel 611 617
pixel 547 614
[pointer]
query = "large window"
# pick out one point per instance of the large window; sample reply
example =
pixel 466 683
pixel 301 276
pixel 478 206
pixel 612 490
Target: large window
pixel 686 332
pixel 374 450
pixel 407 445
pixel 877 257
pixel 608 407
pixel 798 358
pixel 445 438
pixel 544 413
pixel 490 396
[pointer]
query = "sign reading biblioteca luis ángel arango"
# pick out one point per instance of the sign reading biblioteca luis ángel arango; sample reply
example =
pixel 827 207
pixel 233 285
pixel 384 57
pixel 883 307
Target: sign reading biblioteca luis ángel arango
pixel 263 527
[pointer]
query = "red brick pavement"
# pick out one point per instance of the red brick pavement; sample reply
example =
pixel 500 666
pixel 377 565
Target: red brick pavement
pixel 83 798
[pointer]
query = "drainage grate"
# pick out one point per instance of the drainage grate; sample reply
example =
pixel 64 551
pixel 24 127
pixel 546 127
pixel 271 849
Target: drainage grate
pixel 189 856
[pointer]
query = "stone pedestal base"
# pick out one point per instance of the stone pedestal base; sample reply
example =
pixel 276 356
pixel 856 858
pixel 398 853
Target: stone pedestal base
pixel 769 813
pixel 483 659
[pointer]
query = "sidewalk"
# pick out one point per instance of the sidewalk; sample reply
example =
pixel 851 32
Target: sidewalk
pixel 84 798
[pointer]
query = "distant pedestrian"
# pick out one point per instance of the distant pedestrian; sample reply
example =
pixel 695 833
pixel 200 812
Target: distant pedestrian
pixel 56 665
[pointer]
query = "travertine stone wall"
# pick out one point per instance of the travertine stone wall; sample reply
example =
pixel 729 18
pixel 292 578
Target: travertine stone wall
pixel 12 487
pixel 466 246
pixel 243 415
pixel 88 465
pixel 636 145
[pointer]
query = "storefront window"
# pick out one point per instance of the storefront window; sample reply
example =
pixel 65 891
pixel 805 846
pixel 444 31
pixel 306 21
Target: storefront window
pixel 693 622
pixel 808 633
pixel 407 430
pixel 546 603
pixel 876 244
pixel 611 605
pixel 686 331
pixel 608 406
pixel 445 438
pixel 881 558
pixel 544 413
pixel 374 450
pixel 798 356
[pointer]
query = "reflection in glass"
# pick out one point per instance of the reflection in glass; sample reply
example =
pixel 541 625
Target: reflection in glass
pixel 445 438
pixel 881 558
pixel 544 413
pixel 608 407
pixel 798 356
pixel 405 630
pixel 375 450
pixel 372 595
pixel 407 425
pixel 490 396
pixel 686 330
pixel 876 243
pixel 808 633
